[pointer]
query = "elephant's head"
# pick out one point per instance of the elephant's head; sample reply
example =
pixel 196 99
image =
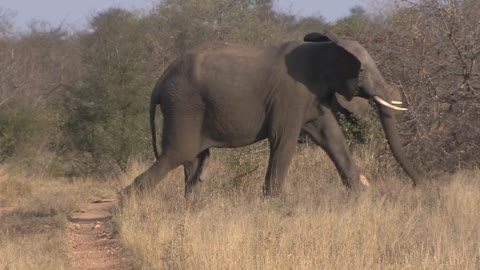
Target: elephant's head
pixel 359 71
pixel 370 84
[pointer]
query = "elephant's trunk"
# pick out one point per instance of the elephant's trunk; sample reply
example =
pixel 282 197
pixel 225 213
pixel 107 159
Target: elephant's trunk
pixel 389 126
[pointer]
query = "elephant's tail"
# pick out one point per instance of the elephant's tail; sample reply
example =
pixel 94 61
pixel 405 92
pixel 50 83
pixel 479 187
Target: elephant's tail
pixel 153 106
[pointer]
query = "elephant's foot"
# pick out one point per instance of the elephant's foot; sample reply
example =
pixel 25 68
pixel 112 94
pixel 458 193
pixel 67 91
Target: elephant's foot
pixel 126 193
pixel 192 188
pixel 271 192
pixel 123 196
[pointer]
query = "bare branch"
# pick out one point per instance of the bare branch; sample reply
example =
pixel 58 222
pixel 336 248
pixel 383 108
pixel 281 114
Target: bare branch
pixel 3 102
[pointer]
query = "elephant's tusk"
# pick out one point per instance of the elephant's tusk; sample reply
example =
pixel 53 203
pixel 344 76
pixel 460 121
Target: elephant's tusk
pixel 386 104
pixel 396 102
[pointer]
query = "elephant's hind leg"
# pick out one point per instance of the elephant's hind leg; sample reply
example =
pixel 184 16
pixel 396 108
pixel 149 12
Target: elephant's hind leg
pixel 151 177
pixel 281 153
pixel 194 170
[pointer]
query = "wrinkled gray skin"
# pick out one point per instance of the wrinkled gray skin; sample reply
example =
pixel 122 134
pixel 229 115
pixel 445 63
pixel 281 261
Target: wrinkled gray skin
pixel 353 110
pixel 227 96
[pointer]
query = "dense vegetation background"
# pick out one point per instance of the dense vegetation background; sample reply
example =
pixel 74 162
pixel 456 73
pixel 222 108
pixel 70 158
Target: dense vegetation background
pixel 76 103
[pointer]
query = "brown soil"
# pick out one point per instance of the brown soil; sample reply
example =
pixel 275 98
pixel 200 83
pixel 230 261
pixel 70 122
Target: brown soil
pixel 92 237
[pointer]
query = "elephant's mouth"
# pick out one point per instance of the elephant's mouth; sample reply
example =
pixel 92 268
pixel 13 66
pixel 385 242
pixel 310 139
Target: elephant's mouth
pixel 390 105
pixel 381 101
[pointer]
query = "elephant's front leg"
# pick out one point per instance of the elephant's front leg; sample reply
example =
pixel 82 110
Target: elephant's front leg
pixel 326 132
pixel 282 150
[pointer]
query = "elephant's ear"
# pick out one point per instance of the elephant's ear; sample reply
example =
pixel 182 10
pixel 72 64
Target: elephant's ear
pixel 347 63
pixel 353 48
pixel 357 106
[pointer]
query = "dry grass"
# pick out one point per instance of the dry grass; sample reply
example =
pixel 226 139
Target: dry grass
pixel 33 241
pixel 33 235
pixel 315 224
pixel 227 224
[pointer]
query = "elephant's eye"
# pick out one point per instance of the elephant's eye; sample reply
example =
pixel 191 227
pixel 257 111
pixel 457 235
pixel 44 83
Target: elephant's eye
pixel 361 74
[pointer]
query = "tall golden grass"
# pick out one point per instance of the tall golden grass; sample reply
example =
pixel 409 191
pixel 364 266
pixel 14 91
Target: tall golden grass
pixel 314 224
pixel 33 231
pixel 227 224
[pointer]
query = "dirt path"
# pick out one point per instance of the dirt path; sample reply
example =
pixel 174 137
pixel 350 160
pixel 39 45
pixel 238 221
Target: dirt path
pixel 92 238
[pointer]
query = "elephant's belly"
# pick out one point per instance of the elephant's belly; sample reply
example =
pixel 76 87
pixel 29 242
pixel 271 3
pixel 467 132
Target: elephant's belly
pixel 234 130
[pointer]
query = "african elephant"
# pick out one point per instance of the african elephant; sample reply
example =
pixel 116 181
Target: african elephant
pixel 226 96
